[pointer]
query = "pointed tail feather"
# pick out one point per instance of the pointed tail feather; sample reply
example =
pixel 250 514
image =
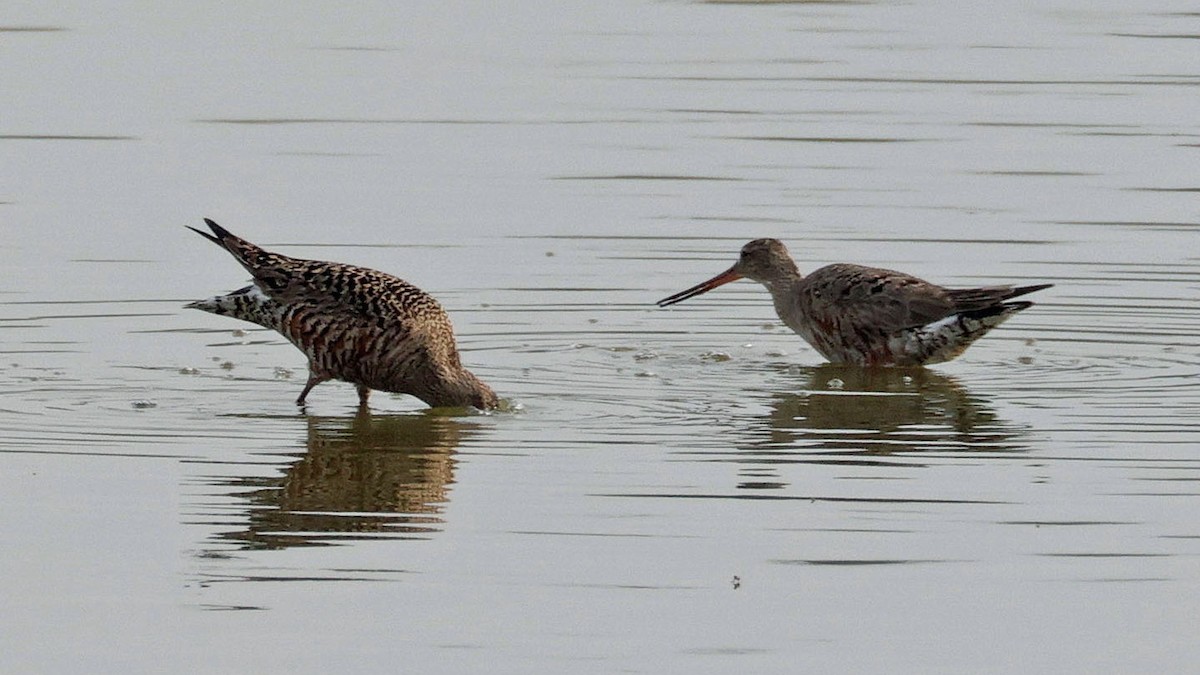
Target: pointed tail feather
pixel 1024 290
pixel 206 235
pixel 971 299
pixel 997 314
pixel 222 238
pixel 252 257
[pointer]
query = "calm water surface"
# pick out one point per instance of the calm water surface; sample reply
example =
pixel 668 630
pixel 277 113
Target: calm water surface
pixel 685 490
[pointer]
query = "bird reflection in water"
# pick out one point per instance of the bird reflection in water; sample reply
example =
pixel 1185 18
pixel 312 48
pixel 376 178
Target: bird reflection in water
pixel 875 411
pixel 360 477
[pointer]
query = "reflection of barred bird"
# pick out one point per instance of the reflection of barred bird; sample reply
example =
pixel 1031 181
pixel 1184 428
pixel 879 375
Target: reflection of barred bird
pixel 869 316
pixel 353 323
pixel 382 476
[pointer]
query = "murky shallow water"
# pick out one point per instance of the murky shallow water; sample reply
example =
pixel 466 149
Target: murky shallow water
pixel 680 491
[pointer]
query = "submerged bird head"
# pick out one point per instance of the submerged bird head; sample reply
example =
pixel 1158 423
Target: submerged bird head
pixel 763 260
pixel 459 390
pixel 479 394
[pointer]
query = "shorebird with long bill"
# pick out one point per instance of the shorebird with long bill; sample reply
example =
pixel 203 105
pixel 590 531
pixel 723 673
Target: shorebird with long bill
pixel 867 315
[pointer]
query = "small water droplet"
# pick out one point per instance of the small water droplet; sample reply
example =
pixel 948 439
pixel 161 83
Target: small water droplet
pixel 776 352
pixel 1025 359
pixel 647 373
pixel 283 373
pixel 644 356
pixel 716 357
pixel 189 371
pixel 143 404
pixel 748 345
pixel 239 333
pixel 227 365
pixel 835 383
pixel 549 254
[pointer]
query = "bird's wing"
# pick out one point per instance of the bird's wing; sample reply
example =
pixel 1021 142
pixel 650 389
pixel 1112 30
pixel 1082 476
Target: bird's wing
pixel 370 295
pixel 966 299
pixel 871 299
pixel 337 289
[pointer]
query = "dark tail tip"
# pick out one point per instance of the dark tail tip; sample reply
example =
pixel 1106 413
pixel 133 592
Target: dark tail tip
pixel 221 233
pixel 206 235
pixel 1014 307
pixel 1024 290
pixel 1003 309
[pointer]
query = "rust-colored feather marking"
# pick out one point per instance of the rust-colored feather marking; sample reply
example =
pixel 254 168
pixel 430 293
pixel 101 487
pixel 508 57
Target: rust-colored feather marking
pixel 353 323
pixel 867 315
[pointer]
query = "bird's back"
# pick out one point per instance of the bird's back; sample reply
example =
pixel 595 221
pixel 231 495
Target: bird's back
pixel 875 316
pixel 366 326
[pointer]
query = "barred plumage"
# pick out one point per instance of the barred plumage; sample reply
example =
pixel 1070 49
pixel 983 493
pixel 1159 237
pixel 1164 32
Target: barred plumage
pixel 354 324
pixel 867 315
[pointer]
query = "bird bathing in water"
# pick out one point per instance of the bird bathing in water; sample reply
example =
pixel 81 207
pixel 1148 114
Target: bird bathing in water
pixel 354 324
pixel 866 315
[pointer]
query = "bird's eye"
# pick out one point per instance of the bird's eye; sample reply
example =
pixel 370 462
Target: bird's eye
pixel 277 284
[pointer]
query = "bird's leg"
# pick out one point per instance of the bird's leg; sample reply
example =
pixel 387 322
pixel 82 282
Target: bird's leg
pixel 314 379
pixel 363 394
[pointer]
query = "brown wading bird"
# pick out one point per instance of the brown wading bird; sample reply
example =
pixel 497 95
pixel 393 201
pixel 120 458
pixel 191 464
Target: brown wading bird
pixel 354 324
pixel 866 315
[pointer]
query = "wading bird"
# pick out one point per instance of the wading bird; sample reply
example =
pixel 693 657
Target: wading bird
pixel 866 315
pixel 354 324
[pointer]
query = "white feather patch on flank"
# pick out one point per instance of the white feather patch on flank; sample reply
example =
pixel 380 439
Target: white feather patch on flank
pixel 911 341
pixel 255 293
pixel 207 304
pixel 934 342
pixel 248 303
pixel 940 325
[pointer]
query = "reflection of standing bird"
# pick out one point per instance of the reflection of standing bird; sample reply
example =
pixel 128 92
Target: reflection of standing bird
pixel 866 315
pixel 353 324
pixel 362 476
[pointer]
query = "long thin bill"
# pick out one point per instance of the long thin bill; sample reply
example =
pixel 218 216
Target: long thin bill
pixel 719 280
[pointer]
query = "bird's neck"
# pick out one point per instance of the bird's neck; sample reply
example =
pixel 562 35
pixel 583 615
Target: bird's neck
pixel 459 389
pixel 785 294
pixel 783 280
